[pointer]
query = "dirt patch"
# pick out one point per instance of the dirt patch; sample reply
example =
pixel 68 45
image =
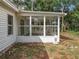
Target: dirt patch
pixel 68 49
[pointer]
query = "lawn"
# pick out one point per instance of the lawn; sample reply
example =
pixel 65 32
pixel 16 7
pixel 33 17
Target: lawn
pixel 68 49
pixel 74 33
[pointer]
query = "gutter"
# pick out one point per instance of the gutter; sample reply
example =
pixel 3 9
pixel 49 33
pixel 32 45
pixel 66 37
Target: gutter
pixel 43 13
pixel 9 4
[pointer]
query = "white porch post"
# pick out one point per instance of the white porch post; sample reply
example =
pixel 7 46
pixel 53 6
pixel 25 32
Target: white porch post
pixel 44 25
pixel 58 28
pixel 30 26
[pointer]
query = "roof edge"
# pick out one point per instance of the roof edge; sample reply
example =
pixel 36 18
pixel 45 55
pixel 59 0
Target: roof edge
pixel 10 5
pixel 43 12
pixel 6 2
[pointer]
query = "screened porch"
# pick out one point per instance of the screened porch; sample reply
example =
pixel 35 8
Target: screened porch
pixel 38 27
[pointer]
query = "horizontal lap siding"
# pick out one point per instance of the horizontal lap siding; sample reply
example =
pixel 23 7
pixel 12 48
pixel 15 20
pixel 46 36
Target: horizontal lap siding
pixel 3 23
pixel 43 39
pixel 5 40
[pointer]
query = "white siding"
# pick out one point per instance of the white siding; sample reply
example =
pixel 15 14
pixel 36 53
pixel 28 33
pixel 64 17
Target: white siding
pixel 43 39
pixel 6 40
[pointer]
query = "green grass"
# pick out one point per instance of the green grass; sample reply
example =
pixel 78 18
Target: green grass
pixel 73 33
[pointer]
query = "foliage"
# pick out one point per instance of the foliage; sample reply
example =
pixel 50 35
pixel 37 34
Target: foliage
pixel 71 7
pixel 73 20
pixel 46 5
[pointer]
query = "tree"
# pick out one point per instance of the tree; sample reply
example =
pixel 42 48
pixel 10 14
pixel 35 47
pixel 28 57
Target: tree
pixel 73 20
pixel 71 7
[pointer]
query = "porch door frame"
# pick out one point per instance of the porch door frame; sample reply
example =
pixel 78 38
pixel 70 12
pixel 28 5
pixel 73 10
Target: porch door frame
pixel 44 28
pixel 30 25
pixel 58 29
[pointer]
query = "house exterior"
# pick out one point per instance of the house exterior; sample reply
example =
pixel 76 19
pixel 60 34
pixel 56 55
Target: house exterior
pixel 27 26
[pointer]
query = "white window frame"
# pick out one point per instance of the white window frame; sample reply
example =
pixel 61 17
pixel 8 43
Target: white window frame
pixel 24 27
pixel 50 25
pixel 10 25
pixel 37 26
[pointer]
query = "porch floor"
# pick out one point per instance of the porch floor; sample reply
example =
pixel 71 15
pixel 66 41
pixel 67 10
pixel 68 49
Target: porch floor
pixel 67 49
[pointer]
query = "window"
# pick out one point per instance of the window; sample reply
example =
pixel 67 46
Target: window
pixel 37 20
pixel 24 26
pixel 36 31
pixel 21 22
pixel 10 24
pixel 51 20
pixel 51 26
pixel 37 26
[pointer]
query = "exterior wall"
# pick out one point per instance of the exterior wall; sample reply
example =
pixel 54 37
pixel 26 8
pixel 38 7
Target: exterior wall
pixel 43 39
pixel 6 40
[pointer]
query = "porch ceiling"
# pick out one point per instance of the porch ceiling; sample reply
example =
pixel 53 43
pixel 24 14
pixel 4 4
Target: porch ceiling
pixel 41 13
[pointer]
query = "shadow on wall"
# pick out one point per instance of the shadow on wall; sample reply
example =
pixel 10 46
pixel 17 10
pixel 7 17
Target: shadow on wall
pixel 27 51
